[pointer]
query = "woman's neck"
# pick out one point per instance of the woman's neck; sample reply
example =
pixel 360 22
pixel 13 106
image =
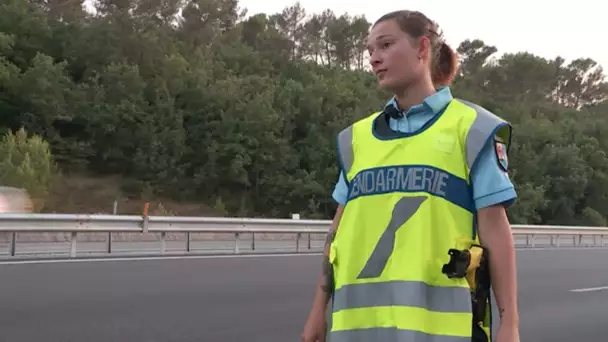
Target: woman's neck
pixel 413 96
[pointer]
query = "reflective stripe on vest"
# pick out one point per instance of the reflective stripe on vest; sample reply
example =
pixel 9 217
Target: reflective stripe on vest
pixel 409 202
pixel 402 293
pixel 392 335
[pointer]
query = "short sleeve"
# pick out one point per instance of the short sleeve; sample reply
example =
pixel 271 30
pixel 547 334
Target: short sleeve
pixel 491 184
pixel 340 193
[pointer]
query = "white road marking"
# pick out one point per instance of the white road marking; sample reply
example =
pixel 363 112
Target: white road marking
pixel 168 257
pixel 590 289
pixel 534 249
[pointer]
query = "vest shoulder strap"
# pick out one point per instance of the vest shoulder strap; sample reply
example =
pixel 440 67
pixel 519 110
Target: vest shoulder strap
pixel 346 154
pixel 486 126
pixel 345 149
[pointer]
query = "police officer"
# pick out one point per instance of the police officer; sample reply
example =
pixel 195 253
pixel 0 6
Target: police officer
pixel 426 175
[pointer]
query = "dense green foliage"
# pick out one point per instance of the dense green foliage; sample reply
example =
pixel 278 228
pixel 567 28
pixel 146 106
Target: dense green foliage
pixel 26 162
pixel 196 101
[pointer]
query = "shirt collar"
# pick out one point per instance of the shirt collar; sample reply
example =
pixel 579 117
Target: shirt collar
pixel 435 102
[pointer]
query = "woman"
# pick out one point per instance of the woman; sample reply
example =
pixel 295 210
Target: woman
pixel 418 179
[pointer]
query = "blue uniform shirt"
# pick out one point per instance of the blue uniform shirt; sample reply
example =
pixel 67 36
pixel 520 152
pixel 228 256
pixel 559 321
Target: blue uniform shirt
pixel 491 185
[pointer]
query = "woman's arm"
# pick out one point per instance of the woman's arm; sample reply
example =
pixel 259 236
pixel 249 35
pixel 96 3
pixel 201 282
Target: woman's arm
pixel 495 234
pixel 322 294
pixel 316 324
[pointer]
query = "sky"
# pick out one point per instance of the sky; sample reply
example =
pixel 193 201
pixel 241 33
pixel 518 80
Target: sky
pixel 542 27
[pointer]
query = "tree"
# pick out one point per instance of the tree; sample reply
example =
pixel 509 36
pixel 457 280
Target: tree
pixel 195 101
pixel 26 162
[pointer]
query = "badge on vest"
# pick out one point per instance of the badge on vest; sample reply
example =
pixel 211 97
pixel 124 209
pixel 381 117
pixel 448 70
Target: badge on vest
pixel 501 154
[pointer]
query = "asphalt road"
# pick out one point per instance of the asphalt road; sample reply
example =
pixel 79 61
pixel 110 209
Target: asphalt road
pixel 255 299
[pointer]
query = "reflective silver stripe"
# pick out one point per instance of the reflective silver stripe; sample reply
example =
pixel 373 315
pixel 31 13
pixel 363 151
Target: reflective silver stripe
pixel 390 335
pixel 484 125
pixel 345 146
pixel 403 293
pixel 403 210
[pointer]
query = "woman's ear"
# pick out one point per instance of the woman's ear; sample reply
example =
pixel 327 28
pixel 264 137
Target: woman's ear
pixel 424 47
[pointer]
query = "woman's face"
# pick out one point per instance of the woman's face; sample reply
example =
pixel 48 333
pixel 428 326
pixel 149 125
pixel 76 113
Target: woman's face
pixel 397 60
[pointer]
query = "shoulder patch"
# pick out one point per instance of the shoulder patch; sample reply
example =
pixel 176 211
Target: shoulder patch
pixel 501 154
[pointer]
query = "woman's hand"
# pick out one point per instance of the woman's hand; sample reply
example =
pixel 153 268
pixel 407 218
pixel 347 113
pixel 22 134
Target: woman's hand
pixel 507 333
pixel 315 327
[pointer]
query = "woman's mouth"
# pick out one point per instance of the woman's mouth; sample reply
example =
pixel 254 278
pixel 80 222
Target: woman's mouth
pixel 380 73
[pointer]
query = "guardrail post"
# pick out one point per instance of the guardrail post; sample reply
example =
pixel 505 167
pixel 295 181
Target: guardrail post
pixel 13 243
pixel 144 227
pixel 551 243
pixel 298 236
pixel 532 240
pixel 188 242
pixel 163 242
pixel 73 245
pixel 309 234
pixel 110 243
pixel 557 242
pixel 253 241
pixel 236 243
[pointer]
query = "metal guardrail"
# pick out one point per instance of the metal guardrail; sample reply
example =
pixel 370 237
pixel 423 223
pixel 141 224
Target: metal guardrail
pixel 81 224
pixel 144 224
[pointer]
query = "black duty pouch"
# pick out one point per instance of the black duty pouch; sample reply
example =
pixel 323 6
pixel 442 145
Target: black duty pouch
pixel 473 264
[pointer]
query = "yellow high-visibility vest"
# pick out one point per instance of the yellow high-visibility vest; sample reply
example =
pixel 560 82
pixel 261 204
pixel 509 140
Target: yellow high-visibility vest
pixel 410 200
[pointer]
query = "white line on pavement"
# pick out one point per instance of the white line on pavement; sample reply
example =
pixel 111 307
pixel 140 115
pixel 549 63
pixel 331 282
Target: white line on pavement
pixel 135 258
pixel 590 289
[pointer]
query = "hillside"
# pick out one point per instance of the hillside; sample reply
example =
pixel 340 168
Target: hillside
pixel 88 194
pixel 193 104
